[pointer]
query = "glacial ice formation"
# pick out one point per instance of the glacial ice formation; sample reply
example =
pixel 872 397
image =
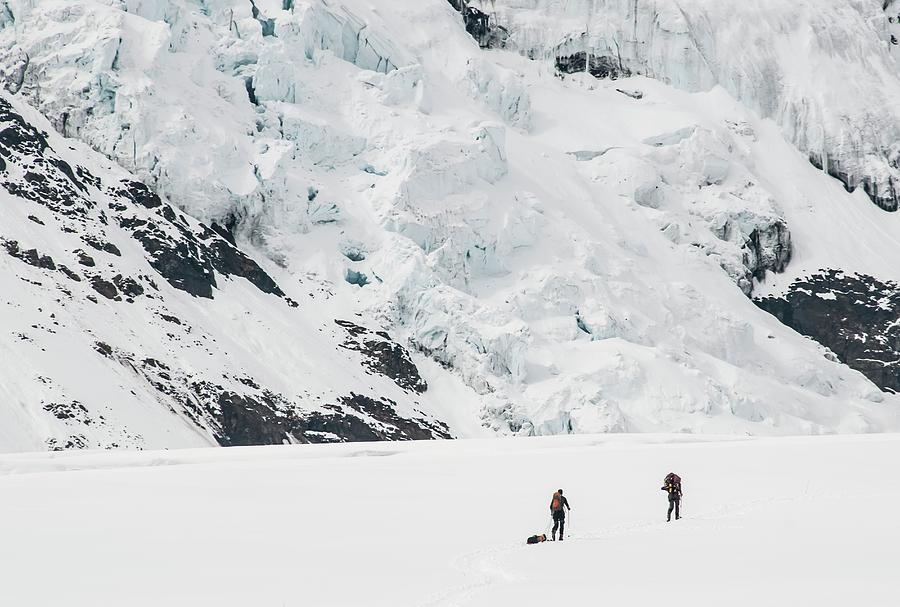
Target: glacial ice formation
pixel 555 254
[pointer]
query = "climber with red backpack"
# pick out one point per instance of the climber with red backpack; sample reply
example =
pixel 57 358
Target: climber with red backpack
pixel 558 506
pixel 672 486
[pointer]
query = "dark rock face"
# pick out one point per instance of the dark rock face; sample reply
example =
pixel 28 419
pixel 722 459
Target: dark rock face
pixel 260 416
pixel 245 421
pixel 857 317
pixel 269 419
pixel 30 256
pixel 69 273
pixel 70 411
pixel 48 180
pixel 179 263
pixel 227 259
pixel 128 286
pixel 188 258
pixel 383 356
pixel 19 136
pixel 598 66
pixel 226 229
pixel 99 245
pixel 84 259
pixel 481 26
pixel 75 441
pixel 325 427
pixel 394 427
pixel 140 194
pixel 103 217
pixel 187 255
pixel 361 418
pixel 105 288
pixel 255 415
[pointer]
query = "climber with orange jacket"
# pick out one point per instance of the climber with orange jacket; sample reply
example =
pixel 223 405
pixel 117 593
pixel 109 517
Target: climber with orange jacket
pixel 558 507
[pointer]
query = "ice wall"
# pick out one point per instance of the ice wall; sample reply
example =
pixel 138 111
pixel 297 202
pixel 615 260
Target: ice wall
pixel 824 70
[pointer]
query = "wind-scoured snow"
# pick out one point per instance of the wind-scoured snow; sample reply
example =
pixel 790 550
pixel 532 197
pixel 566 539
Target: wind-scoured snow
pixel 557 253
pixel 788 521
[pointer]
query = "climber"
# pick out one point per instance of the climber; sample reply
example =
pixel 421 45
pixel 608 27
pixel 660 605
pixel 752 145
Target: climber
pixel 672 486
pixel 558 506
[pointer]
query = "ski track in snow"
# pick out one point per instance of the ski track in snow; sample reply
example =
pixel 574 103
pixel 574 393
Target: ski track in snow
pixel 485 567
pixel 443 524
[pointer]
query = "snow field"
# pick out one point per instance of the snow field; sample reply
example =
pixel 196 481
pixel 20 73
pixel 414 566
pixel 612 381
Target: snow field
pixel 787 521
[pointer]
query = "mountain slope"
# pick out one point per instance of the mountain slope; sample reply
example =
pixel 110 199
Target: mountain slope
pixel 127 324
pixel 549 252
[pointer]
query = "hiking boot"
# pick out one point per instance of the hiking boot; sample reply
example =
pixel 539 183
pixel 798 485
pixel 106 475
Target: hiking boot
pixel 677 517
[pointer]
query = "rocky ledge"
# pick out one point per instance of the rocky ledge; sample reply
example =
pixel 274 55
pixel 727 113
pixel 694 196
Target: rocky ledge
pixel 856 316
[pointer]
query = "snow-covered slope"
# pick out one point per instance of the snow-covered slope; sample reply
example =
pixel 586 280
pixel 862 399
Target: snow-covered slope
pixel 787 521
pixel 127 324
pixel 824 70
pixel 549 254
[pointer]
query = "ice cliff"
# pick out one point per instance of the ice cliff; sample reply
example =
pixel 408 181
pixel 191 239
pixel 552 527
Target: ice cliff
pixel 824 70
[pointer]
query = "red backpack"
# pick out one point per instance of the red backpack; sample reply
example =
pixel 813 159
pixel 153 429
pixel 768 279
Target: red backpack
pixel 556 504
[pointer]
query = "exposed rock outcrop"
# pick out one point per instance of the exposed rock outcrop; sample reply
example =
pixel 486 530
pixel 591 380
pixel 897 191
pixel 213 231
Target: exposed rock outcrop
pixel 598 66
pixel 383 355
pixel 481 25
pixel 136 237
pixel 855 316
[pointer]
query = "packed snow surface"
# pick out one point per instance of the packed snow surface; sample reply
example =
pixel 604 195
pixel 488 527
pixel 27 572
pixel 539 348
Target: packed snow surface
pixel 785 521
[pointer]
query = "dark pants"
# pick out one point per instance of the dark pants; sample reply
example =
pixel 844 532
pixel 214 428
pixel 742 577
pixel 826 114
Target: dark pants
pixel 559 522
pixel 674 503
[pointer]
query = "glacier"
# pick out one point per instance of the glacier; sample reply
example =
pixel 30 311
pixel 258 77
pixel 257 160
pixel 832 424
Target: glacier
pixel 553 252
pixel 825 71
